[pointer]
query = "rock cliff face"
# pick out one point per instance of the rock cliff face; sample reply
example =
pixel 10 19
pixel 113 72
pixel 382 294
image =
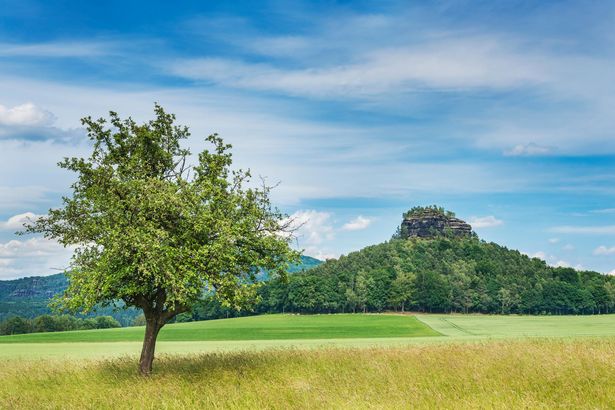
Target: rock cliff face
pixel 431 224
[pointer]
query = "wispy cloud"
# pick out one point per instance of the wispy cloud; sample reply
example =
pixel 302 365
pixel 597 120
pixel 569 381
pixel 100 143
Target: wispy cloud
pixel 465 63
pixel 604 250
pixel 58 49
pixel 357 224
pixel 590 230
pixel 530 149
pixel 485 221
pixel 604 211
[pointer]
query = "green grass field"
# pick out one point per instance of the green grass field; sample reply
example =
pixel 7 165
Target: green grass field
pixel 498 326
pixel 298 331
pixel 265 327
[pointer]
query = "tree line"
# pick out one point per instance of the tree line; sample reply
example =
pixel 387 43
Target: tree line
pixel 54 323
pixel 430 275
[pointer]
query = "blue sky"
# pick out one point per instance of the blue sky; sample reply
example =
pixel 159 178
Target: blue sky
pixel 503 112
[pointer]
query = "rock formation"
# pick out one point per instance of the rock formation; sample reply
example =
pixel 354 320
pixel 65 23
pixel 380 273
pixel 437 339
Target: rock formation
pixel 432 222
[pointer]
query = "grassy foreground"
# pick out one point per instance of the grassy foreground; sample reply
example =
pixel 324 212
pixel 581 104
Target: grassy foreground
pixel 498 374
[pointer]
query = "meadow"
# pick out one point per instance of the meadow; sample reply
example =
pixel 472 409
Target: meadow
pixel 322 361
pixel 536 374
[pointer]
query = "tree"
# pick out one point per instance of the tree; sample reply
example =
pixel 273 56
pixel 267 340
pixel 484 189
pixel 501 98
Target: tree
pixel 15 325
pixel 432 292
pixel 46 323
pixel 156 233
pixel 361 292
pixel 402 290
pixel 106 322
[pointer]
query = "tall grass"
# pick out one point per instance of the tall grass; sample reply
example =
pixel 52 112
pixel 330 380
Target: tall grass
pixel 521 374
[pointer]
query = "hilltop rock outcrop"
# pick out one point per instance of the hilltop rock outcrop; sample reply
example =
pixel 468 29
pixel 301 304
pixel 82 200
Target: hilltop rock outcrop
pixel 430 223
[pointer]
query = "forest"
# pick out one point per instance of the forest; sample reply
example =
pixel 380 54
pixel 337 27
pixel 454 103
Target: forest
pixel 441 274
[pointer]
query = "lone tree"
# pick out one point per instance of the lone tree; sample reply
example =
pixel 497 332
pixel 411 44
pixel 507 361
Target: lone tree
pixel 156 233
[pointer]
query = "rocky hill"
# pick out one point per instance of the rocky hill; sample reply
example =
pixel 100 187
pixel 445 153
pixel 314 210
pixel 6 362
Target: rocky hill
pixel 435 263
pixel 431 222
pixel 433 225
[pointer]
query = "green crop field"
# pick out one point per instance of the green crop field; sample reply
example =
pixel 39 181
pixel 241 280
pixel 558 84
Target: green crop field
pixel 304 331
pixel 265 327
pixel 247 333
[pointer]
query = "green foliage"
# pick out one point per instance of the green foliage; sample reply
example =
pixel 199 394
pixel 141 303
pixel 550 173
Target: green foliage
pixel 440 275
pixel 156 233
pixel 403 291
pixel 15 325
pixel 419 211
pixel 152 234
pixel 54 323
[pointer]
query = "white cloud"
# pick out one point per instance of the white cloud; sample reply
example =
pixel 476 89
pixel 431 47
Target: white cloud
pixel 603 250
pixel 530 149
pixel 313 231
pixel 475 62
pixel 485 221
pixel 604 211
pixel 16 222
pixel 58 49
pixel 32 257
pixel 357 224
pixel 554 240
pixel 26 114
pixel 553 260
pixel 611 272
pixel 539 255
pixel 313 227
pixel 605 229
pixel 568 247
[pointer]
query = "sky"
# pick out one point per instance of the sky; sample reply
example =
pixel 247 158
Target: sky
pixel 503 112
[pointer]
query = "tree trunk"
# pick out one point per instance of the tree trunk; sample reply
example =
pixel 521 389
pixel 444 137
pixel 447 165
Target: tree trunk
pixel 152 327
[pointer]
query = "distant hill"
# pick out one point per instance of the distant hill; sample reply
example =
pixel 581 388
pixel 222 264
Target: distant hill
pixel 435 263
pixel 28 297
pixel 307 262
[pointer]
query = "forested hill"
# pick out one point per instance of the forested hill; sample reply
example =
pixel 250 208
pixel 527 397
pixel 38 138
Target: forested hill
pixel 441 274
pixel 28 297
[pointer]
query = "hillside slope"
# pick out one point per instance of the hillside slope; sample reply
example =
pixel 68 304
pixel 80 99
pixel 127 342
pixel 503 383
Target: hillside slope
pixel 29 297
pixel 442 274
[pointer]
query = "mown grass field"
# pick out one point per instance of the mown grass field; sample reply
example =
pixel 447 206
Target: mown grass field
pixel 296 331
pixel 532 374
pixel 499 326
pixel 265 327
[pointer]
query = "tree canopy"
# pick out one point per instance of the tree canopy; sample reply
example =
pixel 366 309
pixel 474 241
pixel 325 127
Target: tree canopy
pixel 156 232
pixel 419 211
pixel 440 274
